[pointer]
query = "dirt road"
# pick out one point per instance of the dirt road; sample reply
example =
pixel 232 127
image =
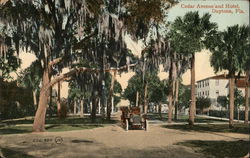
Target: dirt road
pixel 109 141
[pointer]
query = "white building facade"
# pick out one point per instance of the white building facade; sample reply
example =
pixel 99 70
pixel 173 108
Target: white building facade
pixel 215 86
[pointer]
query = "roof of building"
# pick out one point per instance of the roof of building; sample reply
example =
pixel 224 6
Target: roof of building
pixel 219 77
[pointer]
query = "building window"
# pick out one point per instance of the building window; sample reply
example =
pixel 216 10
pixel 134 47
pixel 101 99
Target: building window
pixel 217 93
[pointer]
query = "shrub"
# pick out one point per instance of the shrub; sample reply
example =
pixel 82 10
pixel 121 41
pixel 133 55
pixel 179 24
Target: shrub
pixel 64 109
pixel 225 114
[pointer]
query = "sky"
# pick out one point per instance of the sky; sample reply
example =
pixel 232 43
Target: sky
pixel 231 12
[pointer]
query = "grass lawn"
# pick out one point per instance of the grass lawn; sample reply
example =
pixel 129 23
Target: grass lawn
pixel 182 118
pixel 12 129
pixel 219 149
pixel 56 120
pixel 238 128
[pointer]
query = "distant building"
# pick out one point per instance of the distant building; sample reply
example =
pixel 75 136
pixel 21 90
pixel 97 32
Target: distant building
pixel 215 86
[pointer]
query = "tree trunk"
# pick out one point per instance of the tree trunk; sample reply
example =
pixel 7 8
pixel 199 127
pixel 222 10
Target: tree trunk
pixel 112 105
pixel 159 111
pixel 146 98
pixel 34 99
pixel 137 99
pixel 111 92
pixel 93 110
pixel 170 101
pixel 247 97
pixel 75 102
pixel 39 120
pixel 176 99
pixel 59 99
pixel 170 107
pixel 238 113
pixel 231 100
pixel 99 107
pixel 82 104
pixel 50 102
pixel 192 108
pixel 172 79
pixel 90 105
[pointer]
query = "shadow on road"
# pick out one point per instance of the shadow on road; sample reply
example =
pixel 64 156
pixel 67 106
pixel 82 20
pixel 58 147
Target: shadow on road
pixel 219 148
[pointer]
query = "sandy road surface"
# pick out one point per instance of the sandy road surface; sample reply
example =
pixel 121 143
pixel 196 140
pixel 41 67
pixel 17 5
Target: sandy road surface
pixel 111 141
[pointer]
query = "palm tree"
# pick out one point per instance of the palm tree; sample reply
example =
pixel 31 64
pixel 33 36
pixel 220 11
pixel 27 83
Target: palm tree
pixel 188 34
pixel 226 47
pixel 244 56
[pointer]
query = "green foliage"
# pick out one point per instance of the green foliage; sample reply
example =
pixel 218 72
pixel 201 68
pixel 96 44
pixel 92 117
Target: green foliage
pixel 223 128
pixel 31 76
pixel 223 101
pixel 9 64
pixel 157 89
pixel 134 86
pixel 238 99
pixel 141 14
pixel 64 109
pixel 187 34
pixel 15 101
pixel 202 103
pixel 228 50
pixel 225 114
pixel 184 96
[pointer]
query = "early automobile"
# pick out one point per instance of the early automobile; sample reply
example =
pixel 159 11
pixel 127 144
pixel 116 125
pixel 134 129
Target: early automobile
pixel 132 118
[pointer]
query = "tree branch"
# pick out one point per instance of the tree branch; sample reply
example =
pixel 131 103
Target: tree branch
pixel 83 69
pixel 55 61
pixel 79 44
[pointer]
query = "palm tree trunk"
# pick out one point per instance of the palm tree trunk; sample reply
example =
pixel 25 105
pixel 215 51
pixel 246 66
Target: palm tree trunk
pixel 146 98
pixel 231 100
pixel 59 99
pixel 39 120
pixel 176 99
pixel 247 97
pixel 192 105
pixel 111 92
